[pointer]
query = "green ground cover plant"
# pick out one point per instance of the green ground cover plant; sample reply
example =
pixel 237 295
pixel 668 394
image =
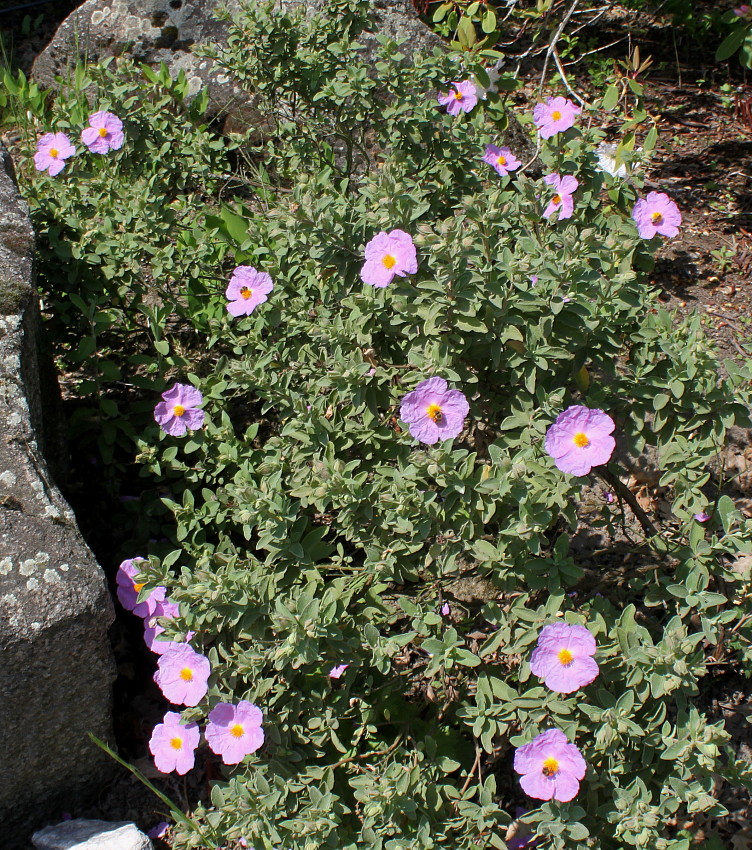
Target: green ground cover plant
pixel 319 550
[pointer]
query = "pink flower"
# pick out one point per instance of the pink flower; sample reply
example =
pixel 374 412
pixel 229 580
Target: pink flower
pixel 502 159
pixel 744 11
pixel 551 768
pixel 656 214
pixel 387 255
pixel 152 629
pixel 445 610
pixel 179 410
pixel 128 590
pixel 182 675
pixel 246 290
pixel 562 200
pixel 524 842
pixel 554 116
pixel 52 151
pixel 462 98
pixel 434 412
pixel 234 731
pixel 563 657
pixel 336 672
pixel 580 439
pixel 173 743
pixel 104 133
pixel 160 830
pixel 701 517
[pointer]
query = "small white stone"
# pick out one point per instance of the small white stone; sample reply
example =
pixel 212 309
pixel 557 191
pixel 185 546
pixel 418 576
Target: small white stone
pixel 32 584
pixel 91 835
pixel 50 576
pixel 6 565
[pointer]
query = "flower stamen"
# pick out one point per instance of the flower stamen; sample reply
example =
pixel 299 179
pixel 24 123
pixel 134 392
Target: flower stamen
pixel 581 440
pixel 389 261
pixel 102 131
pixel 186 674
pixel 433 411
pixel 54 152
pixel 178 410
pixel 550 766
pixel 176 743
pixel 556 115
pixel 237 730
pixel 246 293
pixel 565 657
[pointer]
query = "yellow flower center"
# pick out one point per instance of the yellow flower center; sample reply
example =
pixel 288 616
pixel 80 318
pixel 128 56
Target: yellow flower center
pixel 389 261
pixel 54 152
pixel 581 440
pixel 556 199
pixel 237 730
pixel 657 217
pixel 102 131
pixel 458 95
pixel 178 410
pixel 186 674
pixel 433 411
pixel 550 766
pixel 501 160
pixel 246 293
pixel 176 743
pixel 556 115
pixel 565 657
pixel 137 587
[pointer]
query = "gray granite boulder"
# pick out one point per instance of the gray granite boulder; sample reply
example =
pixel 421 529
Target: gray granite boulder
pixel 56 666
pixel 91 835
pixel 150 31
pixel 155 31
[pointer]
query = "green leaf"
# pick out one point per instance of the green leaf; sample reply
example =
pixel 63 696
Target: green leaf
pixel 466 34
pixel 235 226
pixel 727 512
pixel 730 44
pixel 441 12
pixel 489 21
pixel 610 98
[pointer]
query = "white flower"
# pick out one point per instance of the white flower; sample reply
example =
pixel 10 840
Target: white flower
pixel 606 154
pixel 494 72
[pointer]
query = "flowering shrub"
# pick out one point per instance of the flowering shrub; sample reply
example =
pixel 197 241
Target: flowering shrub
pixel 384 461
pixel 123 236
